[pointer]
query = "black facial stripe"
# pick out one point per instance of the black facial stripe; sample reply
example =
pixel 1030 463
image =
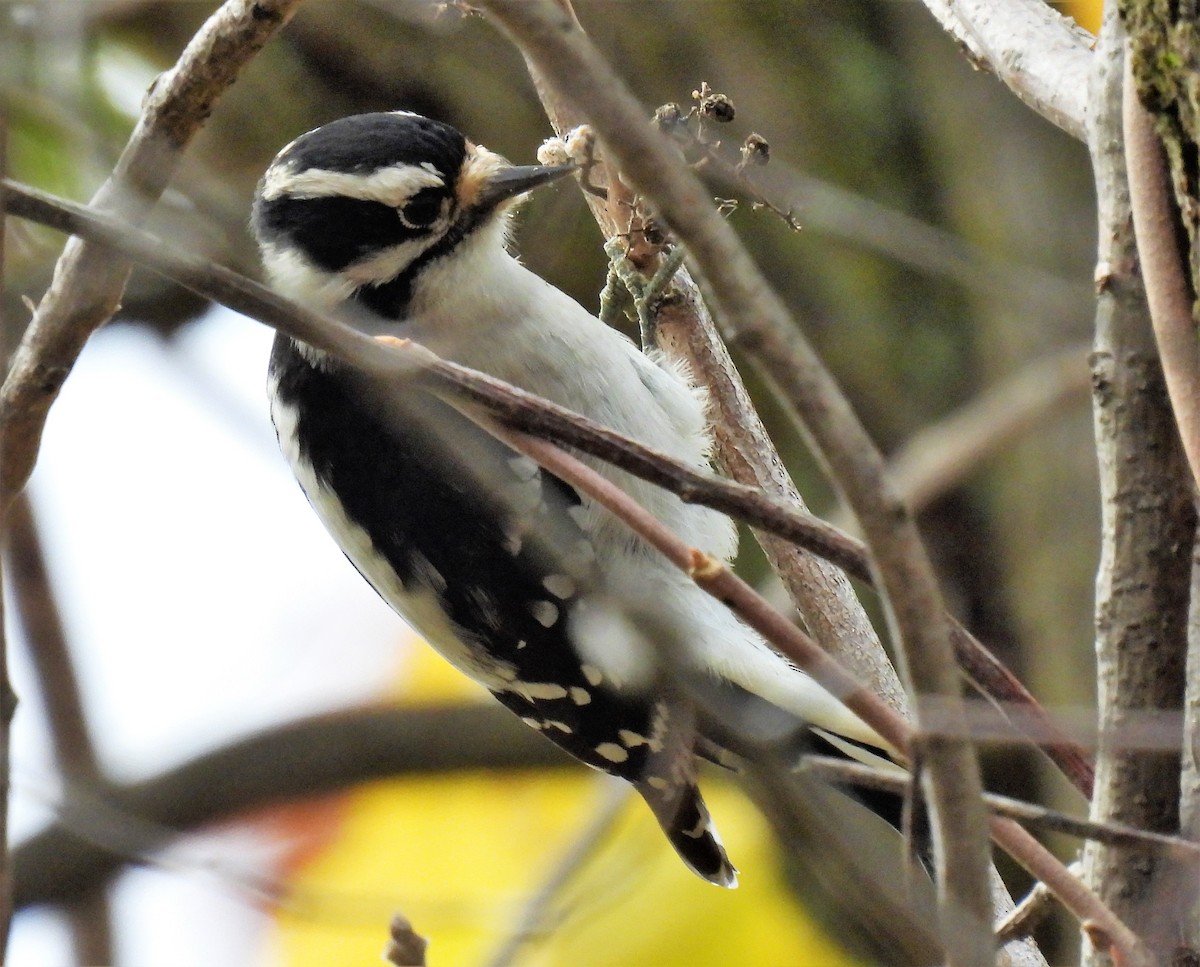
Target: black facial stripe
pixel 392 298
pixel 332 232
pixel 367 142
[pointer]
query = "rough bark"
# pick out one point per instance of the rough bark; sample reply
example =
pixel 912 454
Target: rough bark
pixel 1143 585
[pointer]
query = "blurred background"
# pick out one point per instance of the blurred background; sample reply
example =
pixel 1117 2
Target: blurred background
pixel 946 250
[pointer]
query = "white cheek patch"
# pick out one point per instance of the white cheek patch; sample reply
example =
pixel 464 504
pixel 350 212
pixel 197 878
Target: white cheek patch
pixel 391 186
pixel 291 273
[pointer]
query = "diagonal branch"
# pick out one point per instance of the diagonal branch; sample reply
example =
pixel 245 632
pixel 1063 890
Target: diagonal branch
pixel 755 320
pixel 97 834
pixel 1040 55
pixel 524 412
pixel 367 353
pixel 743 450
pixel 714 577
pixel 88 282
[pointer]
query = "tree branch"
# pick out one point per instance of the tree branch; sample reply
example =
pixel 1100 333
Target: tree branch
pixel 839 771
pixel 96 834
pixel 743 450
pixel 1148 522
pixel 938 457
pixel 1163 268
pixel 715 577
pixel 89 916
pixel 1040 55
pixel 755 320
pixel 524 412
pixel 369 355
pixel 88 282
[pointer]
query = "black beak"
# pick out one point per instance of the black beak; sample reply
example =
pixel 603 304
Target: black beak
pixel 510 182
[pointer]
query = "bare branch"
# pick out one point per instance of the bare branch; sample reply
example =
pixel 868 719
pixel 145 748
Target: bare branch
pixel 88 282
pixel 539 915
pixel 755 320
pixel 743 450
pixel 36 604
pixel 37 607
pixel 540 417
pixel 1040 55
pixel 1032 908
pixel 96 834
pixel 1070 892
pixel 1148 523
pixel 1029 814
pixel 938 457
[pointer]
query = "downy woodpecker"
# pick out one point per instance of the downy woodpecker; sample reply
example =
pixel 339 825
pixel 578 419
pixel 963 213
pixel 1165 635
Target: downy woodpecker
pixel 398 224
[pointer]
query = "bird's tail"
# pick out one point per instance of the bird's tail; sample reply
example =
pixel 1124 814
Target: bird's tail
pixel 681 813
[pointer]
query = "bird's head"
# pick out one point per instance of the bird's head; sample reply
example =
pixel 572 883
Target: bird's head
pixel 356 208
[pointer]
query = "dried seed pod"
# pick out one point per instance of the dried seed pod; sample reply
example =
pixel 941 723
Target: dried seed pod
pixel 669 118
pixel 755 151
pixel 713 106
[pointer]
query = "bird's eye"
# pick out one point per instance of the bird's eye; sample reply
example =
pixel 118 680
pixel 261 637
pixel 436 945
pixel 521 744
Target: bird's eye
pixel 422 210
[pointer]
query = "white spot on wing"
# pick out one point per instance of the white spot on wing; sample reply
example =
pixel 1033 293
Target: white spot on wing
pixel 525 468
pixel 631 738
pixel 612 752
pixel 513 542
pixel 544 613
pixel 592 674
pixel 538 691
pixel 560 585
pixel 579 695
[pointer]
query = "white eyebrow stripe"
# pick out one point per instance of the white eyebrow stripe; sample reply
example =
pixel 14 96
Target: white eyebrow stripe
pixel 390 186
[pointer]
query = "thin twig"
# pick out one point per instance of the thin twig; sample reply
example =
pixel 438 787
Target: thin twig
pixel 1040 55
pixel 95 835
pixel 522 411
pixel 90 915
pixel 743 450
pixel 88 282
pixel 539 912
pixel 1029 814
pixel 754 319
pixel 1032 908
pixel 716 578
pixel 1070 892
pixel 37 607
pixel 7 696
